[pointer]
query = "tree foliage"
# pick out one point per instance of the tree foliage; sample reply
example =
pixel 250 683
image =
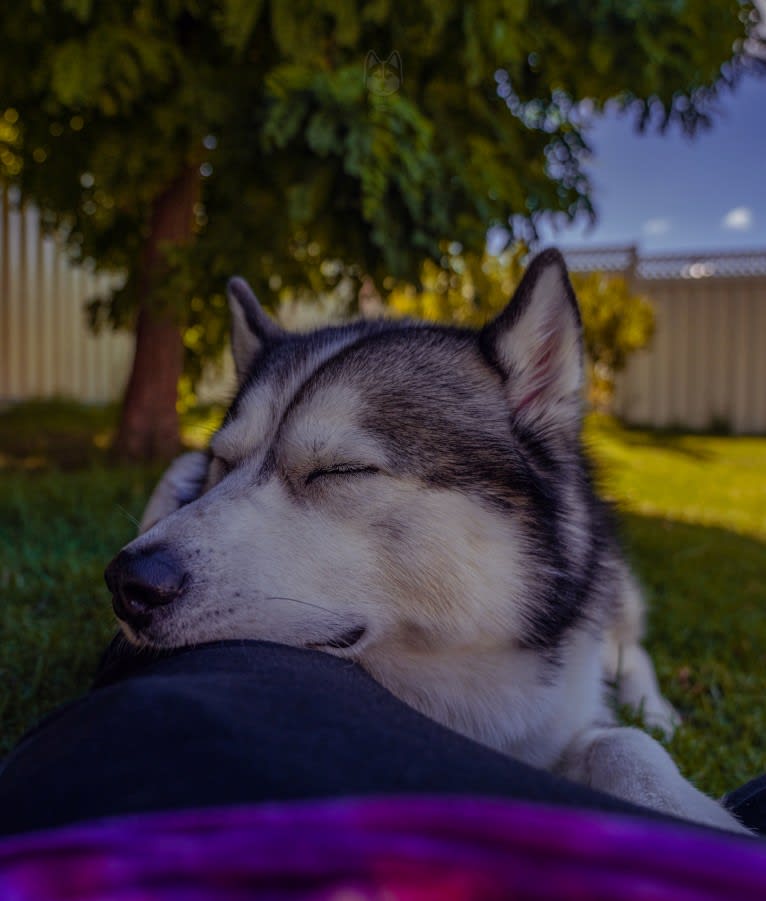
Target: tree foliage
pixel 307 176
pixel 463 288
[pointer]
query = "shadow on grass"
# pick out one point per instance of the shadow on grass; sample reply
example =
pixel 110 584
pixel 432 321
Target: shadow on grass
pixel 677 442
pixel 706 589
pixel 66 436
pixel 55 434
pixel 684 443
pixel 57 532
pixel 707 584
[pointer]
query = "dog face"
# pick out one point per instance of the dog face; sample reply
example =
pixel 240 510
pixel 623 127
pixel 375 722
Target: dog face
pixel 381 490
pixel 383 77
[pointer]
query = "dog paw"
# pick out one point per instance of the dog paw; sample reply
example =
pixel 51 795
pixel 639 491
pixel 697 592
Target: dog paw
pixel 631 765
pixel 658 713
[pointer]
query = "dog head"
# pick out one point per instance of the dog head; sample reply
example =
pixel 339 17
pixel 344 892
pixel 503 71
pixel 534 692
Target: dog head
pixel 377 486
pixel 383 77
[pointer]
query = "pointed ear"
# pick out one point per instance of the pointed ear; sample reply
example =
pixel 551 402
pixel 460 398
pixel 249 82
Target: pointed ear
pixel 371 60
pixel 251 327
pixel 536 342
pixel 395 61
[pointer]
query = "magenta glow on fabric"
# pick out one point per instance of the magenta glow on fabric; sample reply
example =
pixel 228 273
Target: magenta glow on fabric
pixel 394 849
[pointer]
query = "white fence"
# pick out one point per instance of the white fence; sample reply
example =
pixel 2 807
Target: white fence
pixel 46 349
pixel 706 366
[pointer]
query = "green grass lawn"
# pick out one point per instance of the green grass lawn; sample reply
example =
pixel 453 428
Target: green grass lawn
pixel 694 513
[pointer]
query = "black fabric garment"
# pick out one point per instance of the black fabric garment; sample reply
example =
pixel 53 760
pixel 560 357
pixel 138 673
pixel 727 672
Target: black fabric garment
pixel 748 802
pixel 236 722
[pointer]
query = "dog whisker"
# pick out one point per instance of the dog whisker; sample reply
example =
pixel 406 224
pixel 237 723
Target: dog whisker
pixel 128 515
pixel 305 603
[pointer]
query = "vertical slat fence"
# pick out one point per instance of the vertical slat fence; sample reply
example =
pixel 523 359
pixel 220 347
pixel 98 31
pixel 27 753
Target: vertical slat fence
pixel 706 366
pixel 46 347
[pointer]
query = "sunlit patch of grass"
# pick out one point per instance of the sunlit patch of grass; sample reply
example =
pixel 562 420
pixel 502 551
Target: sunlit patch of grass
pixel 701 479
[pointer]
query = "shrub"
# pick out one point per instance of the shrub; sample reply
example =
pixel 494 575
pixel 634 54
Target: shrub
pixel 616 323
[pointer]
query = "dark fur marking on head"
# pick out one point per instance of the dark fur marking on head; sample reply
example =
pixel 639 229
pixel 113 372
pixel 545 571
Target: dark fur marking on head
pixel 268 468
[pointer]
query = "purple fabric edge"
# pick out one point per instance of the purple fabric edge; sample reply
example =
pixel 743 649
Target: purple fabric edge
pixel 478 842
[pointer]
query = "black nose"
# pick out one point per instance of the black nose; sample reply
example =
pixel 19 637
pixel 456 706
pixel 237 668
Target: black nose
pixel 142 581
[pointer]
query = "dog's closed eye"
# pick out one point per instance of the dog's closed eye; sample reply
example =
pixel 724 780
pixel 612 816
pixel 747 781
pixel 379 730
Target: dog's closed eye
pixel 341 469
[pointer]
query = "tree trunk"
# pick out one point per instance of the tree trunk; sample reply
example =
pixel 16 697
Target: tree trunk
pixel 148 427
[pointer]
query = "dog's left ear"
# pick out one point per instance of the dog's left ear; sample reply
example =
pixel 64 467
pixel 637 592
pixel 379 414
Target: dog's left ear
pixel 537 344
pixel 251 326
pixel 181 483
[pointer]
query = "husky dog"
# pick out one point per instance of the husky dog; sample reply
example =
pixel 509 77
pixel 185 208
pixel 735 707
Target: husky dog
pixel 415 498
pixel 383 76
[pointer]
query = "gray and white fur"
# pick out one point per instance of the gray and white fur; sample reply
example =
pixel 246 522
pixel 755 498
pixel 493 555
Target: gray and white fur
pixel 415 498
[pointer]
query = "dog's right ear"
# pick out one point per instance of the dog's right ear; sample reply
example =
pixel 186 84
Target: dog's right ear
pixel 251 327
pixel 537 345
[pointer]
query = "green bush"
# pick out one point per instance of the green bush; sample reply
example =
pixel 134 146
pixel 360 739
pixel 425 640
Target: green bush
pixel 616 323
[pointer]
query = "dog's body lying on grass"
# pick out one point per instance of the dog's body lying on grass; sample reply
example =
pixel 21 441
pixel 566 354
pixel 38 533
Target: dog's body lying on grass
pixel 415 498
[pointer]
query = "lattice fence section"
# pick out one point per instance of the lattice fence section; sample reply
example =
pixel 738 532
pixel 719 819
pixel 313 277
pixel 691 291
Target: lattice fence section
pixel 603 259
pixel 628 260
pixel 703 265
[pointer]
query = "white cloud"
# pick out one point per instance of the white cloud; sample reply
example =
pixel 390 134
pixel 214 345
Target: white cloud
pixel 739 219
pixel 653 228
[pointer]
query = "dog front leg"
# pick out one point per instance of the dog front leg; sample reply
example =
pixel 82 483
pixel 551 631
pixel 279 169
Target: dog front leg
pixel 630 764
pixel 630 667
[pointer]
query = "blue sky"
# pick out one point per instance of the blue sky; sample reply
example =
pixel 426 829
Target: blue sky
pixel 668 192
